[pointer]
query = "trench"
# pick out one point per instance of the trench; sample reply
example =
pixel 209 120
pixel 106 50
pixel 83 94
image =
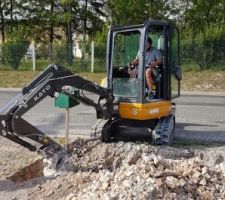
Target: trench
pixel 33 170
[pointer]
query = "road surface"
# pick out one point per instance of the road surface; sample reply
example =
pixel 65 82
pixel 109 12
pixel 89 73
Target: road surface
pixel 197 116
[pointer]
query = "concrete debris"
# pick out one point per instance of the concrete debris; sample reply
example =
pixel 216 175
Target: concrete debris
pixel 136 171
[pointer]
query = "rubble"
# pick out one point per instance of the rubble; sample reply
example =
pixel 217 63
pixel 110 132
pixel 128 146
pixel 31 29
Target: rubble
pixel 136 171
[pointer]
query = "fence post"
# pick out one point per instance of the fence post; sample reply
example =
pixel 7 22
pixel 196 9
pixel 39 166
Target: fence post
pixel 67 128
pixel 92 56
pixel 33 56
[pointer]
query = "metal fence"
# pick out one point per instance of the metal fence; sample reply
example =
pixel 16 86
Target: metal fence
pixel 89 58
pixel 203 56
pixel 93 58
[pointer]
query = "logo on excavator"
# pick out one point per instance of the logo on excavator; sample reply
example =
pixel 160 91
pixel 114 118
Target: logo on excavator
pixel 42 92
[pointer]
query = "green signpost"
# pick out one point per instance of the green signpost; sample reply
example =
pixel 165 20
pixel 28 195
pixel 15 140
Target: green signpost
pixel 64 101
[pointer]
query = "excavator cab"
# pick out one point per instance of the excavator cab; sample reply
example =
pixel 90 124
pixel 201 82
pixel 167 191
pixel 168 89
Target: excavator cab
pixel 127 43
pixel 135 107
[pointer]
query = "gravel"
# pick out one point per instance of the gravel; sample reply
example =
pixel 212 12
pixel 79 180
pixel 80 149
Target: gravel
pixel 126 170
pixel 120 170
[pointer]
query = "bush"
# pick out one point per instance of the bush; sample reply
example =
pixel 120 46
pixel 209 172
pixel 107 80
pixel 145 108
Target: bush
pixel 42 51
pixel 60 54
pixel 13 52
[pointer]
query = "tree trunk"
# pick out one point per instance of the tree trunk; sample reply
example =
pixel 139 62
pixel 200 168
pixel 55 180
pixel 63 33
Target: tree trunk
pixel 2 25
pixel 11 15
pixel 70 44
pixel 51 33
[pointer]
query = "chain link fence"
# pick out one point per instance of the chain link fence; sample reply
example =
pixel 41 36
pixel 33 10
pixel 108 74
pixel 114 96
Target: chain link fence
pixel 22 56
pixel 84 58
pixel 202 57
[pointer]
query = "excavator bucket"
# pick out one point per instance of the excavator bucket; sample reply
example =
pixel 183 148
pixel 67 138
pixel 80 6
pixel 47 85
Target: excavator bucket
pixel 21 132
pixel 18 130
pixel 50 82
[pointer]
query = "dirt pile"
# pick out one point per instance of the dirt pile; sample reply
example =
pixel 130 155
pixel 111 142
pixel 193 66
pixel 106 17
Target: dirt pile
pixel 137 171
pixel 31 171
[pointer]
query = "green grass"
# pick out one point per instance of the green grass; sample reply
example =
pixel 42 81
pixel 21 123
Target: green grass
pixel 191 65
pixel 193 80
pixel 18 79
pixel 26 65
pixel 79 65
pixel 15 79
pixel 10 78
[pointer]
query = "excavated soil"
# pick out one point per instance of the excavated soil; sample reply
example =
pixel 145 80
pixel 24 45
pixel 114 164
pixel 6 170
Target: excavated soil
pixel 127 170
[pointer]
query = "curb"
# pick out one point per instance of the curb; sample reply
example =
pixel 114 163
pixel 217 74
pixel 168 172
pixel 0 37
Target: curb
pixel 10 89
pixel 202 93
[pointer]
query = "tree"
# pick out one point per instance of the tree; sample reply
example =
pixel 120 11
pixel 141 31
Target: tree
pixel 200 15
pixel 42 18
pixel 127 12
pixel 3 7
pixel 14 49
pixel 7 11
pixel 202 26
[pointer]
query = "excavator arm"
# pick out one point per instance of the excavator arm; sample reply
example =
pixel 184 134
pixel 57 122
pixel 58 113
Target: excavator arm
pixel 54 80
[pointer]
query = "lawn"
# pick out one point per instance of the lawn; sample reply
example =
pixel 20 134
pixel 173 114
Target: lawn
pixel 18 79
pixel 192 81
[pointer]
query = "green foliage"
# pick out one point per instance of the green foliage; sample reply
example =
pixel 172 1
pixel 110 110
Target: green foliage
pixel 202 14
pixel 206 49
pixel 13 52
pixel 100 49
pixel 42 51
pixel 27 65
pixel 15 48
pixel 127 12
pixel 60 55
pixel 101 42
pixel 202 25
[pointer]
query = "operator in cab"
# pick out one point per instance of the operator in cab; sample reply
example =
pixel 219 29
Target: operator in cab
pixel 152 59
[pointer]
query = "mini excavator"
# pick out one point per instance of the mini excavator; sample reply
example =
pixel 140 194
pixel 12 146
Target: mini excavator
pixel 122 101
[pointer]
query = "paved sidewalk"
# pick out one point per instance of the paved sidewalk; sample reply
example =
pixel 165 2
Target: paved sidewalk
pixel 182 92
pixel 10 89
pixel 202 93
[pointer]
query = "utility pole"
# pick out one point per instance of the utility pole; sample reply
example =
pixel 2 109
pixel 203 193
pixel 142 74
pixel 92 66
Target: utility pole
pixel 92 56
pixel 69 34
pixel 33 56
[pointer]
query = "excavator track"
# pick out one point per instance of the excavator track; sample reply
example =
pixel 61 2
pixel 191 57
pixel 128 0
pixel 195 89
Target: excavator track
pixel 101 130
pixel 164 131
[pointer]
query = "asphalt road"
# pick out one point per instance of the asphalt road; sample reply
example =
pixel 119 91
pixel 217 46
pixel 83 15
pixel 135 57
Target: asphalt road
pixel 200 117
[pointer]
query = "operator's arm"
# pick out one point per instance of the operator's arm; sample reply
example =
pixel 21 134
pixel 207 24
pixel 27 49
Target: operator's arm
pixel 136 60
pixel 158 58
pixel 155 63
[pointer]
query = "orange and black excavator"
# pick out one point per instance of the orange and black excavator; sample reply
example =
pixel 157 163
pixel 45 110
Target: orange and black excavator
pixel 122 104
